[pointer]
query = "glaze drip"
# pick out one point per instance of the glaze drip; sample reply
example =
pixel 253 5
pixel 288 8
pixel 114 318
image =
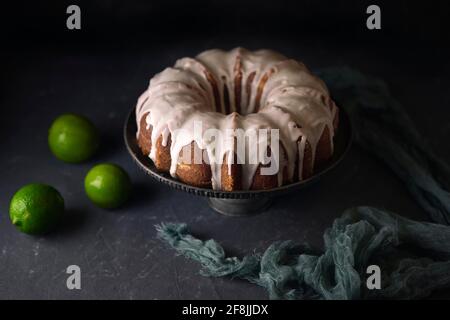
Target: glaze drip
pixel 238 89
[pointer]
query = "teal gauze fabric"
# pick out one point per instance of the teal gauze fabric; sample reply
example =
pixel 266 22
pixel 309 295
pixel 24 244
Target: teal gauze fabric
pixel 384 129
pixel 414 257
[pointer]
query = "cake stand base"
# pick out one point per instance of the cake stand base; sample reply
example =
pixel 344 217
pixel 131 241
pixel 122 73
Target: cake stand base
pixel 239 207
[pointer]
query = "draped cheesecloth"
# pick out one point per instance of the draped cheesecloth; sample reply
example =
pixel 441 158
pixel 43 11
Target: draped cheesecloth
pixel 414 257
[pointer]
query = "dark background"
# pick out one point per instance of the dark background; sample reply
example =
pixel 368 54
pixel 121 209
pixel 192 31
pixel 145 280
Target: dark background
pixel 34 23
pixel 99 71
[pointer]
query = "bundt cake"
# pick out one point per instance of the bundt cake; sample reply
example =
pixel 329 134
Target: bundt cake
pixel 199 106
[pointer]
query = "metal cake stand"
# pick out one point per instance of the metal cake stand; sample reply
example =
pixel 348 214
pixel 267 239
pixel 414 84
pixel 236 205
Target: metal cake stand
pixel 238 203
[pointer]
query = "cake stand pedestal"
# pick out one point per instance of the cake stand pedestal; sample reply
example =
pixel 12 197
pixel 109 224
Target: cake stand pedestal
pixel 239 207
pixel 238 203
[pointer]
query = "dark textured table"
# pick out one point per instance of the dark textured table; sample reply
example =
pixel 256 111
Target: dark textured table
pixel 117 250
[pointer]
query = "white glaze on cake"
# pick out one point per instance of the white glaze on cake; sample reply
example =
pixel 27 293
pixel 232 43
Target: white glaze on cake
pixel 292 100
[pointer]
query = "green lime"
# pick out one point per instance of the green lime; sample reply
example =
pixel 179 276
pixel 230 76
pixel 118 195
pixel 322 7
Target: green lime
pixel 36 208
pixel 107 185
pixel 73 138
